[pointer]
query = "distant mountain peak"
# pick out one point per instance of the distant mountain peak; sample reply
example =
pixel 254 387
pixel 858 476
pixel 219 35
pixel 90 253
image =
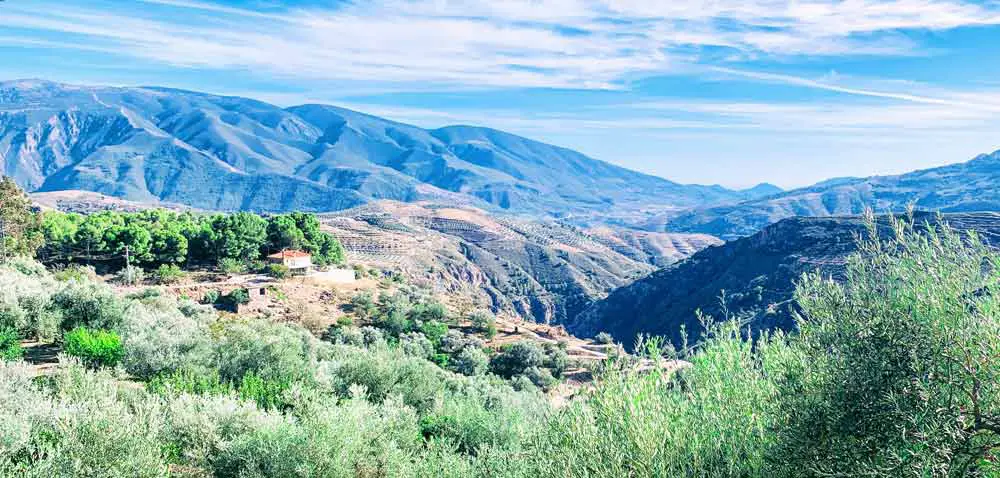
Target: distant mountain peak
pixel 227 152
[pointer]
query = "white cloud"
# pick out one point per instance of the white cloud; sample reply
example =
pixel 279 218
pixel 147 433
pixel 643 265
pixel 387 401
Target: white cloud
pixel 486 43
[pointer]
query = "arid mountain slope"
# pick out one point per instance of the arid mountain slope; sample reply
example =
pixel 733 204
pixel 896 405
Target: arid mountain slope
pixel 541 270
pixel 229 153
pixel 757 274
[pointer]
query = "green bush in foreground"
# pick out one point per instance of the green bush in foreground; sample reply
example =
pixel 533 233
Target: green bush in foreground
pixel 96 348
pixel 900 368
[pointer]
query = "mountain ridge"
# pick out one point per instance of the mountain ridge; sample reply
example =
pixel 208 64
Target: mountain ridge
pixel 231 153
pixel 973 185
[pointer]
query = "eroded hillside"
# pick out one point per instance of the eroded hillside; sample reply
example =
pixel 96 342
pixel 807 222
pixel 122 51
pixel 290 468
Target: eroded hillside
pixel 542 270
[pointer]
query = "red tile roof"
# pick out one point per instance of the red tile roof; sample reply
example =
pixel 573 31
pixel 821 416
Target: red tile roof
pixel 289 254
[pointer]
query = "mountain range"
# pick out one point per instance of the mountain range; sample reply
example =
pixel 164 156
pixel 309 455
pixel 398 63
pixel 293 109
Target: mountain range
pixel 963 187
pixel 228 153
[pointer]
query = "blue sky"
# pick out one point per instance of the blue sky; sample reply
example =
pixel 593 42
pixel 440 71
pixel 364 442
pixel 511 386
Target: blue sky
pixel 723 91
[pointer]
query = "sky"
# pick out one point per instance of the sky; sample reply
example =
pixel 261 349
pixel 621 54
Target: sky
pixel 712 92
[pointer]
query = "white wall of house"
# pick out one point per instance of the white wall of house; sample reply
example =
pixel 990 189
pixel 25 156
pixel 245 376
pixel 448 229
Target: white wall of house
pixel 298 262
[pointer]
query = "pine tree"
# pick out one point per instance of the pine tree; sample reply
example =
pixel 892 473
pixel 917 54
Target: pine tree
pixel 20 224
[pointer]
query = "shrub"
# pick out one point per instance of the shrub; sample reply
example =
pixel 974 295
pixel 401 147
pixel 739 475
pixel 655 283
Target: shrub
pixel 348 335
pixel 96 348
pixel 229 265
pixel 363 306
pixel 161 338
pixel 278 271
pixel 75 273
pixel 385 372
pixel 236 297
pixel 271 351
pixel 429 311
pixel 211 296
pixel 266 393
pixel 899 363
pixel 556 359
pixel 484 322
pixel 470 361
pixel 344 321
pixel 416 344
pixel 434 331
pixel 516 358
pixel 168 274
pixel 26 266
pixel 131 275
pixel 541 377
pixel 10 345
pixel 604 338
pixel 88 305
pixel 372 336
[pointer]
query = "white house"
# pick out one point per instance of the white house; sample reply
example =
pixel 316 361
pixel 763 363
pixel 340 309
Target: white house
pixel 298 262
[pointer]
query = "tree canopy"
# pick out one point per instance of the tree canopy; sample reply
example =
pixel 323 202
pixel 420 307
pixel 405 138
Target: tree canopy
pixel 20 225
pixel 157 236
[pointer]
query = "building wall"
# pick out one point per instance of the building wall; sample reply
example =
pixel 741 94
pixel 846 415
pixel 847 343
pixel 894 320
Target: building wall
pixel 298 262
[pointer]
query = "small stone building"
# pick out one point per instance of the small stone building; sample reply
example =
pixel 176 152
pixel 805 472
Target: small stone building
pixel 297 262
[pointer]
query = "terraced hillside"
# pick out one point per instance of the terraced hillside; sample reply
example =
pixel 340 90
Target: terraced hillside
pixel 757 274
pixel 541 270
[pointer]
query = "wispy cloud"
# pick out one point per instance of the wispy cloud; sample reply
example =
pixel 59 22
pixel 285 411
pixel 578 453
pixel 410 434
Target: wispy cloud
pixel 592 44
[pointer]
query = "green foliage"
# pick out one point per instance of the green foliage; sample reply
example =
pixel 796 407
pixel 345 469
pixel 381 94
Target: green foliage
pixel 76 273
pixel 235 298
pixel 211 296
pixel 96 348
pixel 517 358
pixel 239 236
pixel 229 265
pixel 899 368
pixel 156 237
pixel 168 274
pixel 893 372
pixel 130 275
pixel 10 344
pixel 484 322
pixel 434 331
pixel 86 305
pixel 363 306
pixel 471 361
pixel 278 271
pixel 22 227
pixel 299 230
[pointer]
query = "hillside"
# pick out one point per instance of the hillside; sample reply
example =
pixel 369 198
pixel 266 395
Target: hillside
pixel 963 187
pixel 546 271
pixel 228 153
pixel 757 274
